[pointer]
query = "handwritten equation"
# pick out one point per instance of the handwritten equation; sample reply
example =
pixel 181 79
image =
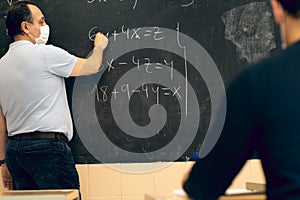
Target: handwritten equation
pixel 148 65
pixel 102 93
pixel 134 33
pixel 183 3
pixel 145 65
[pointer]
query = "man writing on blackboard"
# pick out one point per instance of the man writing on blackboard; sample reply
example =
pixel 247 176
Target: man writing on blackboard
pixel 35 121
pixel 263 116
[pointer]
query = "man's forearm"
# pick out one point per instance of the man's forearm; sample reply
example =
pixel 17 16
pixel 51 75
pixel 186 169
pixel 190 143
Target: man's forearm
pixel 92 64
pixel 3 143
pixel 3 135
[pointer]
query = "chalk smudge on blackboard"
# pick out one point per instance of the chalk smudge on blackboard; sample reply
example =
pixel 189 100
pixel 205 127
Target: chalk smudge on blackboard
pixel 250 27
pixel 52 6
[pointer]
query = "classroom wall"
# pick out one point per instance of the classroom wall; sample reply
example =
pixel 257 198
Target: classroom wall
pixel 99 181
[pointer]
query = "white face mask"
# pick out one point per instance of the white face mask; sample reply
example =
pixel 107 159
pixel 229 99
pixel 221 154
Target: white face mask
pixel 45 32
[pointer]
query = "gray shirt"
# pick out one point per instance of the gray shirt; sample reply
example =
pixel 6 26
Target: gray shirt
pixel 32 88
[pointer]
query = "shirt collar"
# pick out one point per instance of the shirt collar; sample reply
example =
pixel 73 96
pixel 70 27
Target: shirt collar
pixel 19 43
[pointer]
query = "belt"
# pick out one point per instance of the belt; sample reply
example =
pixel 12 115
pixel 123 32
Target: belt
pixel 39 135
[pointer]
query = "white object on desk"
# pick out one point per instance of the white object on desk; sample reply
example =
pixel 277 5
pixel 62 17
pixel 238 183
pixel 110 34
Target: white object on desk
pixel 238 191
pixel 181 192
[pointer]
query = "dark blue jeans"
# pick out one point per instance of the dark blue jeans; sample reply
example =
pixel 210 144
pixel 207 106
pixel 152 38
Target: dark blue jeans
pixel 41 164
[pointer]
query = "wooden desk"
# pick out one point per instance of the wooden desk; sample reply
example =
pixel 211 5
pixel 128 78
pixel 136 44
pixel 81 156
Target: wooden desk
pixel 226 197
pixel 40 195
pixel 254 186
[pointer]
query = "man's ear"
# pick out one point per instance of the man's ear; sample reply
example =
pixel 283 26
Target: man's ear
pixel 277 11
pixel 24 27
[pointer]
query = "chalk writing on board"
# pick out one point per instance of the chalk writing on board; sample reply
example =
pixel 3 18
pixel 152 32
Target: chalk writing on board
pixel 163 88
pixel 188 4
pixel 105 1
pixel 144 90
pixel 156 34
pixel 250 27
pixel 184 4
pixel 134 33
pixel 185 64
pixel 51 7
pixel 9 2
pixel 148 65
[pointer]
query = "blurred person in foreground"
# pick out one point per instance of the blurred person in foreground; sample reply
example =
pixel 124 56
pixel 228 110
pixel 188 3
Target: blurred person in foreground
pixel 263 116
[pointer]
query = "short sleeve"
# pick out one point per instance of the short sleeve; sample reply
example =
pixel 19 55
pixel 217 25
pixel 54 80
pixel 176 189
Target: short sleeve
pixel 59 61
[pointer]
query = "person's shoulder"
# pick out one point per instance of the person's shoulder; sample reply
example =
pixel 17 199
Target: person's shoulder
pixel 255 72
pixel 46 46
pixel 272 62
pixel 50 49
pixel 53 48
pixel 279 61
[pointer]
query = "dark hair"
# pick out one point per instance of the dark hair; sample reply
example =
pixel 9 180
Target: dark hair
pixel 291 6
pixel 17 13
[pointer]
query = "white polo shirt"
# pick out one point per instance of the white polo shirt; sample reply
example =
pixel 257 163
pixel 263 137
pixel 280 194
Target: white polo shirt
pixel 32 88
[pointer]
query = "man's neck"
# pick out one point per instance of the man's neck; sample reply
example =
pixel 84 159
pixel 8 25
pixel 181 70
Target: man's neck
pixel 21 37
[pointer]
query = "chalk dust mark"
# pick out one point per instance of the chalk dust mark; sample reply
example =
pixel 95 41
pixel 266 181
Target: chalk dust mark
pixel 250 27
pixel 52 6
